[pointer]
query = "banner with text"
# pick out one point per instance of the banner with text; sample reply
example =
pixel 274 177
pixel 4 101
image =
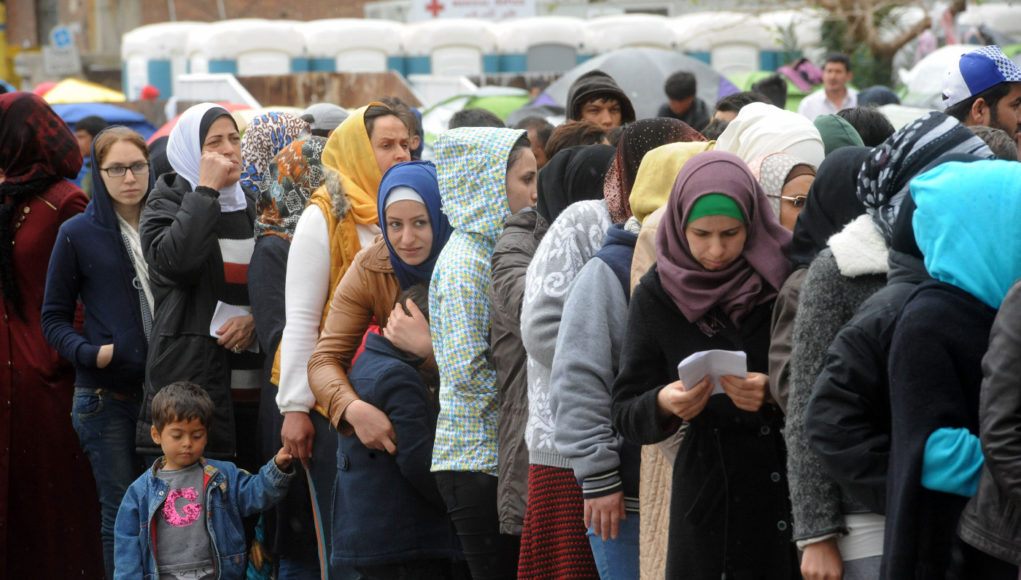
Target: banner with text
pixel 484 9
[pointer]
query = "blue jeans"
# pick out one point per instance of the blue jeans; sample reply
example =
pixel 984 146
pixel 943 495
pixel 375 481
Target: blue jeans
pixel 617 559
pixel 106 431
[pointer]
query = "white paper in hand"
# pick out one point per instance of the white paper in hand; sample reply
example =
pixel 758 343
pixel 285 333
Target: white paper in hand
pixel 716 364
pixel 225 312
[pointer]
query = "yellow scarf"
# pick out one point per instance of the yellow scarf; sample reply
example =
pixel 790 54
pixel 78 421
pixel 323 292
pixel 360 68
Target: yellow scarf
pixel 657 173
pixel 348 152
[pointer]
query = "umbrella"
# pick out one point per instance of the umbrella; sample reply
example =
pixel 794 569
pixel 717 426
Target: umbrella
pixel 641 72
pixel 923 84
pixel 74 112
pixel 169 125
pixel 79 91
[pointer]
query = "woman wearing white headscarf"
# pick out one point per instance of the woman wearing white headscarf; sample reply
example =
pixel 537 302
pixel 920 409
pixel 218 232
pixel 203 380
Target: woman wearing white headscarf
pixel 197 232
pixel 761 129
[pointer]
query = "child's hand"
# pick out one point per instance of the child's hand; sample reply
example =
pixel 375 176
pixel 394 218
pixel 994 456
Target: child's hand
pixel 283 460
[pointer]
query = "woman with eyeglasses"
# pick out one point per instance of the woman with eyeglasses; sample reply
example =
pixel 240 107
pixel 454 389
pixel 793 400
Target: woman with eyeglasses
pixel 98 257
pixel 786 180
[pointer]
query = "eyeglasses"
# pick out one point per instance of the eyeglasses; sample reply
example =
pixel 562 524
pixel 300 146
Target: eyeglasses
pixel 797 200
pixel 119 170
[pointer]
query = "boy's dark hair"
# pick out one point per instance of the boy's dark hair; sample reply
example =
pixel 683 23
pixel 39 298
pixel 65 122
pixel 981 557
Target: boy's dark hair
pixel 573 133
pixel 733 103
pixel 91 125
pixel 714 129
pixel 543 128
pixel 404 113
pixel 998 140
pixel 475 118
pixel 181 401
pixel 992 97
pixel 871 124
pixel 680 85
pixel 519 147
pixel 417 293
pixel 774 87
pixel 838 57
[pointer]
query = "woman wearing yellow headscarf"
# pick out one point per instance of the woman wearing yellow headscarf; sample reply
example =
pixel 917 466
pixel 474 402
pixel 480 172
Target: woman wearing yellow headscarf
pixel 340 219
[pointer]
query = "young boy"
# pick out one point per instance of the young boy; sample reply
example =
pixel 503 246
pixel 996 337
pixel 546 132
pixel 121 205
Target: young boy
pixel 182 518
pixel 596 97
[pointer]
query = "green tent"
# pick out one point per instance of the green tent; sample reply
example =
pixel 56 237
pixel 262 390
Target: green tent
pixel 745 80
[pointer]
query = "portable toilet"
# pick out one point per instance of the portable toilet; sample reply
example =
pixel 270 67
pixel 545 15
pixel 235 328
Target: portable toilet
pixel 354 45
pixel 1001 17
pixel 248 47
pixel 607 33
pixel 451 46
pixel 733 40
pixel 549 44
pixel 155 55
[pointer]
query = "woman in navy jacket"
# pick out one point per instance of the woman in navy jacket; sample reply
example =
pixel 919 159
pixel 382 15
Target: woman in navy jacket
pixel 98 257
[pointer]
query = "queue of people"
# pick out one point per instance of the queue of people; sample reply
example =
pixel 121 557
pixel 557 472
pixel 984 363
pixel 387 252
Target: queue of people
pixel 304 352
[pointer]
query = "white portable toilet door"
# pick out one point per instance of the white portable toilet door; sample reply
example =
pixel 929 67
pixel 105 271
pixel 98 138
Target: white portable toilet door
pixel 456 61
pixel 735 58
pixel 263 63
pixel 361 60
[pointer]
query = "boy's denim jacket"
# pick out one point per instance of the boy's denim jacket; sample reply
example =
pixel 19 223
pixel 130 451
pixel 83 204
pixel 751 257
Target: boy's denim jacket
pixel 230 494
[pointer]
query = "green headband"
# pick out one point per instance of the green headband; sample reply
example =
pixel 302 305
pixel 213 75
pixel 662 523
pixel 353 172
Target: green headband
pixel 715 204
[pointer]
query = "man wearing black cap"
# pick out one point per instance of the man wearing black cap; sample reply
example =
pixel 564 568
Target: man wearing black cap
pixel 596 97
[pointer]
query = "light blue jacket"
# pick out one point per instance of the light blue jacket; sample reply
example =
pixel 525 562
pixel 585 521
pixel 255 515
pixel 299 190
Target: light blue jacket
pixel 230 494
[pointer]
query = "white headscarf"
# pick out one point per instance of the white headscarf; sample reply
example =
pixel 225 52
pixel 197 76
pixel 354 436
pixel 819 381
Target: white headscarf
pixel 761 129
pixel 184 151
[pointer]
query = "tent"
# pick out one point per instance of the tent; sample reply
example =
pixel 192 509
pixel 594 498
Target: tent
pixel 74 112
pixel 745 80
pixel 923 84
pixel 501 101
pixel 79 91
pixel 641 72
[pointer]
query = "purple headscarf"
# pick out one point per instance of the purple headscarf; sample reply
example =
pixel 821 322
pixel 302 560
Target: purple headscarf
pixel 755 276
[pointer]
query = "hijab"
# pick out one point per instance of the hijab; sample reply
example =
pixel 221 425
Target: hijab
pixel 837 133
pixel 266 136
pixel 761 129
pixel 37 150
pixel 184 151
pixel 158 163
pixel 754 277
pixel 657 174
pixel 292 176
pixel 421 177
pixel 774 171
pixel 965 225
pixel 831 204
pixel 885 173
pixel 349 152
pixel 636 140
pixel 573 174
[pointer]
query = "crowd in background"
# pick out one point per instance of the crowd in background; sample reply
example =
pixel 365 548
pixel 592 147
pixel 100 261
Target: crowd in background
pixel 468 366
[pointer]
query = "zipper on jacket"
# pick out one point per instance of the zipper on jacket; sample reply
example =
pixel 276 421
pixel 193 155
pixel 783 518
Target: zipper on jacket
pixel 209 524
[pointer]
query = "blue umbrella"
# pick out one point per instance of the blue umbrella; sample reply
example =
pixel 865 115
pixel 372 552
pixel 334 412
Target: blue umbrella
pixel 74 112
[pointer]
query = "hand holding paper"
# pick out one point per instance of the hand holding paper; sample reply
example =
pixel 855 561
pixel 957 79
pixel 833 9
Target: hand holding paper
pixel 716 364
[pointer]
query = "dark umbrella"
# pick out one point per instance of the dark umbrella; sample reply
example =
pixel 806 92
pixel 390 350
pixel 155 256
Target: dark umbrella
pixel 641 72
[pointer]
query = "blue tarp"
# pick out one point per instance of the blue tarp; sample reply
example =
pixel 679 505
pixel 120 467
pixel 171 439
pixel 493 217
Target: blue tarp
pixel 72 113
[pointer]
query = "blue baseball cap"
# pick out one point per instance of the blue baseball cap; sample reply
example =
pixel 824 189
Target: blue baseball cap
pixel 977 71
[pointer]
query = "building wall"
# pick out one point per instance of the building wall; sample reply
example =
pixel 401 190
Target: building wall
pixel 209 10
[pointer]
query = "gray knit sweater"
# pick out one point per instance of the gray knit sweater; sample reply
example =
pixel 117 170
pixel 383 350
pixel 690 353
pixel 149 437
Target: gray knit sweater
pixel 838 281
pixel 575 236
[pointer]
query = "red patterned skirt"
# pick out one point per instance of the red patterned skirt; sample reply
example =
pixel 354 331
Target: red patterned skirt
pixel 553 541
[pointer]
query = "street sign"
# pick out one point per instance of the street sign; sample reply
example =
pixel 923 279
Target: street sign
pixel 60 56
pixel 484 9
pixel 61 37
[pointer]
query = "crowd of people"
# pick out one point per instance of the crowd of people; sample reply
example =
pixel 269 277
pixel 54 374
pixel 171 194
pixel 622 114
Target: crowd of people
pixel 471 366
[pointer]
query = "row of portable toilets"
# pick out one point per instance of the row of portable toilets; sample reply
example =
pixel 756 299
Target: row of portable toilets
pixel 731 42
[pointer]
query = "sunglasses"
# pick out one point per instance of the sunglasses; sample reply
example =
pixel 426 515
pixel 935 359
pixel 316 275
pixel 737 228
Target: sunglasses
pixel 797 200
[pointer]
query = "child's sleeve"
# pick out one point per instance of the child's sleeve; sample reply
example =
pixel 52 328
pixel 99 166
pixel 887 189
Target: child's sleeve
pixel 263 490
pixel 129 541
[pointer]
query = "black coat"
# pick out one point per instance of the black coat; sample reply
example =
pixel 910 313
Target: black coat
pixel 729 507
pixel 178 229
pixel 935 373
pixel 848 417
pixel 992 520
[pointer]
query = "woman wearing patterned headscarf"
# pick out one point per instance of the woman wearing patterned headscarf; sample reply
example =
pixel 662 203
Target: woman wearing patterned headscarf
pixel 720 262
pixel 264 137
pixel 38 155
pixel 284 191
pixel 786 181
